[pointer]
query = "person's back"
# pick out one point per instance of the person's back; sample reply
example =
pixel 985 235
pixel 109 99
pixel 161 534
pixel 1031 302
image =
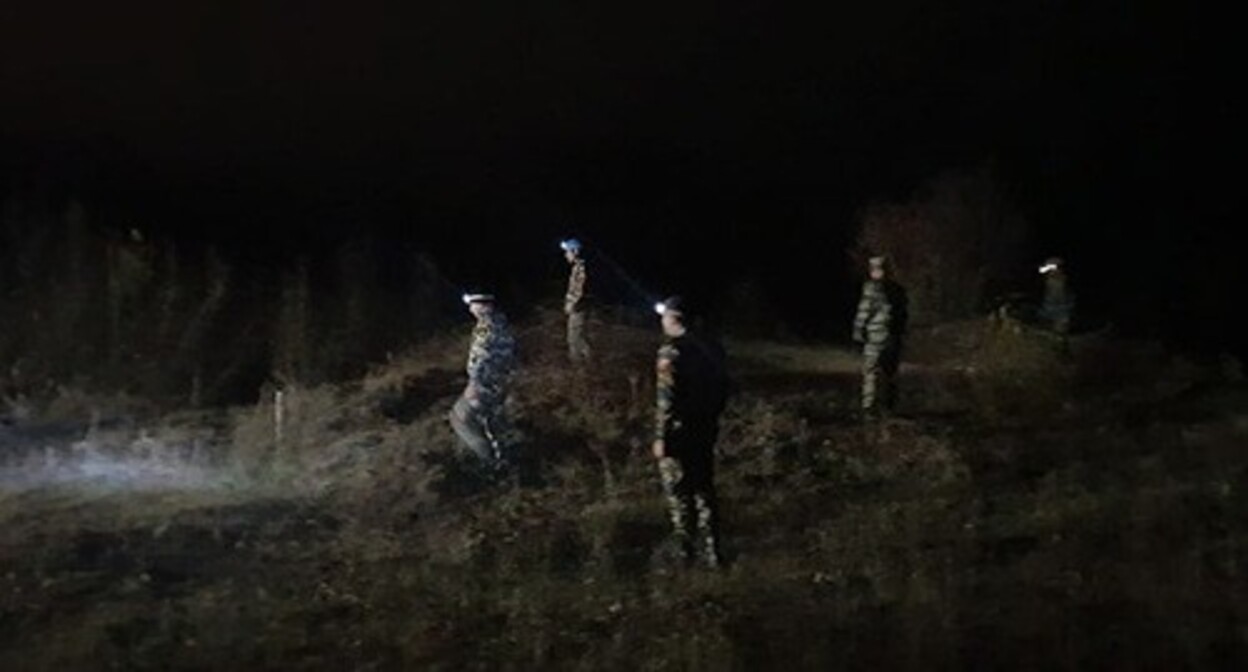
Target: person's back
pixel 492 353
pixel 701 378
pixel 898 308
pixel 1058 304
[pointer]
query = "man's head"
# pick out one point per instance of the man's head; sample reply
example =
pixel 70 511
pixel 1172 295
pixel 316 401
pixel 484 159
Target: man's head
pixel 877 267
pixel 571 249
pixel 478 304
pixel 672 314
pixel 1051 265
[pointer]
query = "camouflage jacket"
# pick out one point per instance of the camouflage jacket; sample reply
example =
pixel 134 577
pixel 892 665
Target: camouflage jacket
pixel 881 315
pixel 574 300
pixel 1059 300
pixel 491 356
pixel 691 384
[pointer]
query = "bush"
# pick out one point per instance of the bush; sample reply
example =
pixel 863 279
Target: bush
pixel 1019 374
pixel 955 243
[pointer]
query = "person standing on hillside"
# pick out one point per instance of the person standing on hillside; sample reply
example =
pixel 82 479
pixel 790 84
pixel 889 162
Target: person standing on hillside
pixel 1058 304
pixel 880 325
pixel 574 301
pixel 691 390
pixel 479 417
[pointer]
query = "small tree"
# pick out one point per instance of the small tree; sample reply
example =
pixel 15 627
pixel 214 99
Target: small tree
pixel 953 244
pixel 292 347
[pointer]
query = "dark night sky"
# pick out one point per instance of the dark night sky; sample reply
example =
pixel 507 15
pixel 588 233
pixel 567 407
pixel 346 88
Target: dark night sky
pixel 483 131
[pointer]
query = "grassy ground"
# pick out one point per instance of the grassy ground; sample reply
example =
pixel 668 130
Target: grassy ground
pixel 1030 509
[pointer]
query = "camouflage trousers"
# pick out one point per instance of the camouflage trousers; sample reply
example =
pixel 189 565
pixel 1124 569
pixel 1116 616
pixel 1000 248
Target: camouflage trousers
pixel 481 427
pixel 880 362
pixel 692 508
pixel 578 346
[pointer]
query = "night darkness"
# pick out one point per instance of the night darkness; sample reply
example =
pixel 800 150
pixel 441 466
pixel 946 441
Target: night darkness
pixel 247 421
pixel 482 132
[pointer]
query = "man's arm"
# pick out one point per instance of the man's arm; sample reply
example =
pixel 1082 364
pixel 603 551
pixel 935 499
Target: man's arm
pixel 484 357
pixel 865 306
pixel 576 288
pixel 474 368
pixel 477 357
pixel 665 397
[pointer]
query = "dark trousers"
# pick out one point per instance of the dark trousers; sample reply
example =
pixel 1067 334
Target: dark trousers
pixel 688 477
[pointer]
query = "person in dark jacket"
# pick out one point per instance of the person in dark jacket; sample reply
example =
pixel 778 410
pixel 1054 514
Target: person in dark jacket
pixel 691 392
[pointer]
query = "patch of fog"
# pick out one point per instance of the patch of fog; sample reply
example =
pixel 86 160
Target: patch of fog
pixel 86 465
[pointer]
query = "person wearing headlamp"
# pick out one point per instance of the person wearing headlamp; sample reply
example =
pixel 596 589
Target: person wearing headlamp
pixel 1058 305
pixel 574 301
pixel 691 391
pixel 478 417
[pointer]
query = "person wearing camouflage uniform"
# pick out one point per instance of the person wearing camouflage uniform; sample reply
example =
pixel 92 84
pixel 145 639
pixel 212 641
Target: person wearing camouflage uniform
pixel 879 325
pixel 1058 304
pixel 479 418
pixel 574 302
pixel 691 390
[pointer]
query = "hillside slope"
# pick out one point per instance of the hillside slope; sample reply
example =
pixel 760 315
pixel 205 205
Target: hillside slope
pixel 1028 509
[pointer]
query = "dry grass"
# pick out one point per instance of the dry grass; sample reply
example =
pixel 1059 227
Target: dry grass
pixel 1111 539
